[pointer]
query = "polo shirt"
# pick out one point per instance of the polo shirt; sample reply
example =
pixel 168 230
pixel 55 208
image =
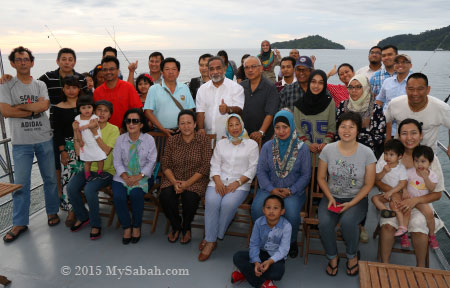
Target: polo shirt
pixel 123 97
pixel 163 106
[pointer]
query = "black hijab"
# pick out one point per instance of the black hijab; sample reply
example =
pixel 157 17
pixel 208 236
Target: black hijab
pixel 311 104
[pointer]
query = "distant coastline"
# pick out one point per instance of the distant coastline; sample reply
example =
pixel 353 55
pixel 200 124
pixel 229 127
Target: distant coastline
pixel 310 42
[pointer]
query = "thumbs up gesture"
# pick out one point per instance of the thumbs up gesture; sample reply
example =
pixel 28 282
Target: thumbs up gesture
pixel 223 107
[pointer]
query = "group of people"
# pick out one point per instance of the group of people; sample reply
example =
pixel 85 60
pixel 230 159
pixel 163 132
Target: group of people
pixel 97 134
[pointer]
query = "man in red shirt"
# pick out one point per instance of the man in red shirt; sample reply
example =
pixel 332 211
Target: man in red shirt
pixel 120 93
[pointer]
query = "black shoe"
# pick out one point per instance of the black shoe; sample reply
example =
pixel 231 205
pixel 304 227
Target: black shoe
pixel 135 240
pixel 126 241
pixel 76 228
pixel 293 251
pixel 95 236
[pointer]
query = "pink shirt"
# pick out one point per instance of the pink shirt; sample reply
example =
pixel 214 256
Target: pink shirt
pixel 416 185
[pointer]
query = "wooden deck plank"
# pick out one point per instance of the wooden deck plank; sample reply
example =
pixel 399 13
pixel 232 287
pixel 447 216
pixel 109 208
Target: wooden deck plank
pixel 429 277
pixel 383 277
pixel 393 278
pixel 440 282
pixel 374 279
pixel 420 279
pixel 364 274
pixel 411 279
pixel 403 282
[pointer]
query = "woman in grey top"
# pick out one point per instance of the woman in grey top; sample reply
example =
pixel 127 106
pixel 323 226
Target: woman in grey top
pixel 351 169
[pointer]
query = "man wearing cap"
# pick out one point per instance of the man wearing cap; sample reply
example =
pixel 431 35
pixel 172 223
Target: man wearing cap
pixel 291 93
pixel 396 85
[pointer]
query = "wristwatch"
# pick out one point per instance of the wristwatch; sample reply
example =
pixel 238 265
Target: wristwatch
pixel 262 132
pixel 239 181
pixel 143 175
pixel 230 111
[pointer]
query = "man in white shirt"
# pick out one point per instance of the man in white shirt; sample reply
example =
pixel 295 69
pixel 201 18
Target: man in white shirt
pixel 216 99
pixel 374 63
pixel 287 70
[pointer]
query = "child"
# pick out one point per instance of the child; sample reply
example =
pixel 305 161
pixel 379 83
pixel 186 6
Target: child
pixel 89 82
pixel 89 149
pixel 143 84
pixel 391 172
pixel 421 180
pixel 269 246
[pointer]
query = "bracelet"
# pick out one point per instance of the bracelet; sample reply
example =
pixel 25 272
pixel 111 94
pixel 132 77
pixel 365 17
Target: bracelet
pixel 262 132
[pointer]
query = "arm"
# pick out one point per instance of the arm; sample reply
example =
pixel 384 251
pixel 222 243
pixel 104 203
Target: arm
pixel 12 112
pixel 303 163
pixel 117 159
pixel 388 131
pixel 107 149
pixel 382 186
pixel 285 242
pixel 332 72
pixel 381 97
pixel 201 121
pixel 150 116
pixel 321 179
pixel 399 187
pixel 255 244
pixel 265 125
pixel 331 126
pixel 131 69
pixel 166 162
pixel 37 107
pixel 203 169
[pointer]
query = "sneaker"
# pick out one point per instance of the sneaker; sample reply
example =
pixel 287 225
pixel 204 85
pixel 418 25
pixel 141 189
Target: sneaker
pixel 237 276
pixel 433 241
pixel 363 236
pixel 402 230
pixel 268 284
pixel 404 242
pixel 102 175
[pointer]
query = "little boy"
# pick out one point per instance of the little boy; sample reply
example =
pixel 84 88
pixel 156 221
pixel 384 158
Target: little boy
pixel 269 247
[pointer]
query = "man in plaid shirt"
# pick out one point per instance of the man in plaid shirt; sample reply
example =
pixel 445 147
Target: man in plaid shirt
pixel 388 54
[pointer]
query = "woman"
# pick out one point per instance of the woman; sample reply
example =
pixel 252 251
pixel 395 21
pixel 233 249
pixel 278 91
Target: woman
pixel 233 167
pixel 104 110
pixel 410 134
pixel 284 169
pixel 143 84
pixel 98 76
pixel 185 165
pixel 339 92
pixel 240 75
pixel 231 66
pixel 269 59
pixel 362 102
pixel 351 167
pixel 134 161
pixel 315 114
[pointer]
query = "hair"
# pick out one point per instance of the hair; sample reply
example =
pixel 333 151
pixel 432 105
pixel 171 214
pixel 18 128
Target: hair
pixel 110 108
pixel 84 100
pixel 418 75
pixel 374 47
pixel 111 59
pixel 204 56
pixel 395 146
pixel 138 111
pixel 156 54
pixel 20 49
pixel 275 197
pixel 216 58
pixel 223 54
pixel 352 116
pixel 245 56
pixel 410 121
pixel 288 58
pixel 86 74
pixel 66 51
pixel 144 77
pixel 186 112
pixel 345 65
pixel 424 151
pixel 97 69
pixel 252 57
pixel 109 49
pixel 170 60
pixel 388 47
pixel 71 80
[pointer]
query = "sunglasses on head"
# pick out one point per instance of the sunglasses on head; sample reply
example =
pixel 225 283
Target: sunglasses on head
pixel 133 120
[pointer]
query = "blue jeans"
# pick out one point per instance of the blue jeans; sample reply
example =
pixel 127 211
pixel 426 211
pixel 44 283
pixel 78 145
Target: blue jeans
pixel 292 204
pixel 23 161
pixel 349 220
pixel 74 187
pixel 220 211
pixel 121 204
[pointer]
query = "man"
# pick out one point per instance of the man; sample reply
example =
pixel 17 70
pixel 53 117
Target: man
pixel 120 93
pixel 261 101
pixel 109 51
pixel 417 104
pixel 165 101
pixel 287 70
pixel 374 63
pixel 291 93
pixel 25 100
pixel 294 53
pixel 216 99
pixel 388 54
pixel 154 63
pixel 195 83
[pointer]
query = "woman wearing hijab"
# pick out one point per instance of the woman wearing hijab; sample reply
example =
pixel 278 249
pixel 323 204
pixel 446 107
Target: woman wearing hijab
pixel 233 167
pixel 362 102
pixel 269 59
pixel 284 169
pixel 315 113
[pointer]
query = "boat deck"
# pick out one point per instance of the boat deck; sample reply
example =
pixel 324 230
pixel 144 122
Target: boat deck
pixel 40 257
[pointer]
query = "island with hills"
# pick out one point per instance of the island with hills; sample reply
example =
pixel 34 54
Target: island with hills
pixel 310 42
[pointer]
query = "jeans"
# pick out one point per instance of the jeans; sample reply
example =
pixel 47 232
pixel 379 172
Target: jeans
pixel 241 260
pixel 292 204
pixel 23 160
pixel 91 188
pixel 349 220
pixel 121 203
pixel 220 211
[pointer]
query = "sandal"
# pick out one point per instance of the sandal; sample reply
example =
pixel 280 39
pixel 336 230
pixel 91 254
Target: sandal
pixel 385 213
pixel 350 269
pixel 51 218
pixel 202 245
pixel 187 241
pixel 333 268
pixel 402 230
pixel 14 236
pixel 176 238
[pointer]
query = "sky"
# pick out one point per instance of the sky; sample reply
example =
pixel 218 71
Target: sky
pixel 175 24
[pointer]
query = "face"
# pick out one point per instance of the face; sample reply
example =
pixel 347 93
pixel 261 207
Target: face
pixel 86 110
pixel 252 68
pixel 134 124
pixel 402 65
pixel 391 157
pixel 110 54
pixel 216 71
pixel 71 92
pixel 375 56
pixel 186 124
pixel 421 163
pixel 282 130
pixel 100 78
pixel 387 56
pixel 203 67
pixel 345 74
pixel 355 90
pixel 66 62
pixel 410 136
pixel 103 113
pixel 110 71
pixel 272 210
pixel 22 63
pixel 302 73
pixel 170 72
pixel 90 82
pixel 287 70
pixel 316 85
pixel 234 127
pixel 265 46
pixel 294 54
pixel 348 131
pixel 154 64
pixel 417 92
pixel 143 87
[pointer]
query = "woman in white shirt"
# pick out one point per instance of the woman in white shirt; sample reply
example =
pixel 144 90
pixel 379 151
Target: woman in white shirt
pixel 233 167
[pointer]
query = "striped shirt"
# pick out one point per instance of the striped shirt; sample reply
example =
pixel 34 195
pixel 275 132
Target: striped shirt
pixel 54 84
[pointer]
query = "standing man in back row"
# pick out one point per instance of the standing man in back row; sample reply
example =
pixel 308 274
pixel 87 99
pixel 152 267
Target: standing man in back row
pixel 154 63
pixel 388 54
pixel 196 82
pixel 374 63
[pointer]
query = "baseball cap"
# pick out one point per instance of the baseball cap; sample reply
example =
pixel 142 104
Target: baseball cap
pixel 404 56
pixel 304 61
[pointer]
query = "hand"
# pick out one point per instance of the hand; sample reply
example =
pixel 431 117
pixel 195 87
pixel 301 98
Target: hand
pixel 223 108
pixel 133 66
pixel 93 124
pixel 126 178
pixel 285 191
pixel 332 72
pixel 407 205
pixel 331 201
pixel 256 136
pixel 387 196
pixel 423 173
pixel 346 206
pixel 167 132
pixel 386 168
pixel 75 125
pixel 278 53
pixel 278 192
pixel 180 187
pixel 313 59
pixel 220 188
pixel 81 142
pixel 84 127
pixel 64 158
pixel 321 146
pixel 266 264
pixel 5 78
pixel 258 272
pixel 314 147
pixel 232 187
pixel 201 131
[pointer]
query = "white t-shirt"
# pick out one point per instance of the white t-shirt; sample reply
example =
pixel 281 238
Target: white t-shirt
pixel 394 176
pixel 366 71
pixel 208 99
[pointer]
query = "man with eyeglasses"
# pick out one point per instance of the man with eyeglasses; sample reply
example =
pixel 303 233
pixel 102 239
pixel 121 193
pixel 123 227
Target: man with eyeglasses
pixel 120 93
pixel 388 54
pixel 374 63
pixel 291 93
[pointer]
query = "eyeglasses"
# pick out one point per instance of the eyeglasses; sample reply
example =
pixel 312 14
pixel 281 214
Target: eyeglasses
pixel 354 87
pixel 374 53
pixel 112 69
pixel 300 70
pixel 251 67
pixel 133 120
pixel 20 60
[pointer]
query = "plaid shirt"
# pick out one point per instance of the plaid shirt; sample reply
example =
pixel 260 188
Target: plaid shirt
pixel 377 80
pixel 290 94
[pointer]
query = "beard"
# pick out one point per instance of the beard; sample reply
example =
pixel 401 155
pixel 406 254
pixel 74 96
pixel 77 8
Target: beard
pixel 217 78
pixel 374 62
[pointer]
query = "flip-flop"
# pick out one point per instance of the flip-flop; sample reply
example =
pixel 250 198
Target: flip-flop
pixel 51 218
pixel 14 236
pixel 190 238
pixel 385 213
pixel 350 269
pixel 176 239
pixel 333 268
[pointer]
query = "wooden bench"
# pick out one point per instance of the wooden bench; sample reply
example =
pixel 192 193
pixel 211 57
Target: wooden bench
pixel 7 188
pixel 375 274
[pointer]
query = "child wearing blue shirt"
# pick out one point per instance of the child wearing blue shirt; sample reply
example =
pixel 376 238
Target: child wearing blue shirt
pixel 269 247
